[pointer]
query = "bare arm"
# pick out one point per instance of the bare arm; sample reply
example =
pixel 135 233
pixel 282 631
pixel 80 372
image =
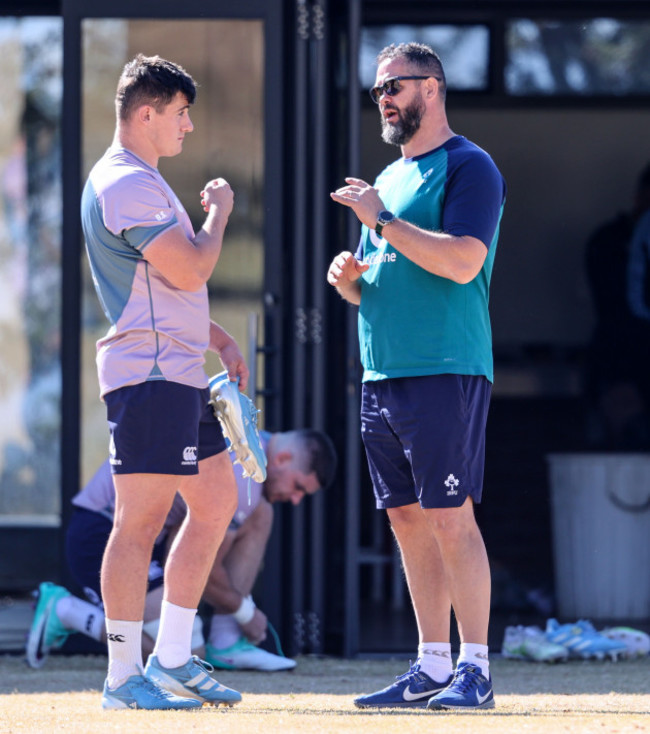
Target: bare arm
pixel 187 264
pixel 220 593
pixel 229 353
pixel 457 258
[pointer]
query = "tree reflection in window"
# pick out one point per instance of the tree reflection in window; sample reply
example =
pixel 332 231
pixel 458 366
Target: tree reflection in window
pixel 30 267
pixel 599 56
pixel 464 50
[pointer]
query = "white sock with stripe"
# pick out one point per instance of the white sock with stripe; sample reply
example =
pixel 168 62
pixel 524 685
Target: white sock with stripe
pixel 476 655
pixel 81 616
pixel 435 660
pixel 124 640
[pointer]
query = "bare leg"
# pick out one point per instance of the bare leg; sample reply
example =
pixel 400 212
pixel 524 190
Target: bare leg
pixel 142 502
pixel 467 569
pixel 446 563
pixel 211 498
pixel 424 571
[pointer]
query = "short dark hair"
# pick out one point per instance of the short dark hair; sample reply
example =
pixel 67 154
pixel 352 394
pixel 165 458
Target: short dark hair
pixel 151 80
pixel 423 57
pixel 321 455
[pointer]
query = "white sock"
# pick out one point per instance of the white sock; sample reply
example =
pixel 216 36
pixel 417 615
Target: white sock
pixel 224 631
pixel 476 655
pixel 174 642
pixel 124 651
pixel 81 616
pixel 435 660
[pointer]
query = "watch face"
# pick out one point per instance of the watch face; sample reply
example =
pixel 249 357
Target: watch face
pixel 385 217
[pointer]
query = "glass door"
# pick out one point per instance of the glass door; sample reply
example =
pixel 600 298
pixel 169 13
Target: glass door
pixel 226 58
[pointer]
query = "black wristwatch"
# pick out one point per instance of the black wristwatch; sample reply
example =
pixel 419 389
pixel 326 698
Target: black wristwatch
pixel 383 218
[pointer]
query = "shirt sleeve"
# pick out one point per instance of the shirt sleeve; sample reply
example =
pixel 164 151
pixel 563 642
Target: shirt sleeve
pixel 474 198
pixel 359 253
pixel 137 208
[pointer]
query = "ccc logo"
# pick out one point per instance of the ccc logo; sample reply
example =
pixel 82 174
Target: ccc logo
pixel 189 453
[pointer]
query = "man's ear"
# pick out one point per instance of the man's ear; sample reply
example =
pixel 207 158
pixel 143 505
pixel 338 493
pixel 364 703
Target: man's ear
pixel 144 113
pixel 432 86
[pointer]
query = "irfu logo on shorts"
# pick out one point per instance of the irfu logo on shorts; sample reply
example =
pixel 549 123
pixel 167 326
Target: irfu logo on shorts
pixel 451 482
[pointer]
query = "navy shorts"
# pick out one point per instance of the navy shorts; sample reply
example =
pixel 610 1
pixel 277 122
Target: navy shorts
pixel 161 427
pixel 85 542
pixel 425 438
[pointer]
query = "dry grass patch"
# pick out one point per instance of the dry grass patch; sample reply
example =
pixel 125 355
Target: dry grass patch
pixel 600 698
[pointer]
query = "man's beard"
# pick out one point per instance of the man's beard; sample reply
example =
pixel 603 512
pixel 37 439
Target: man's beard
pixel 406 126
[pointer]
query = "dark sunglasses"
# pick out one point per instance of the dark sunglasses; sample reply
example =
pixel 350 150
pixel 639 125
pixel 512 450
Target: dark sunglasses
pixel 391 87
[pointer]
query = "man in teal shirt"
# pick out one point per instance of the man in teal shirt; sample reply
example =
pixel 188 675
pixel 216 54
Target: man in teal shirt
pixel 421 278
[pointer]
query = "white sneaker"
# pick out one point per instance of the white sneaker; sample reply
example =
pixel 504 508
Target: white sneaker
pixel 243 655
pixel 530 643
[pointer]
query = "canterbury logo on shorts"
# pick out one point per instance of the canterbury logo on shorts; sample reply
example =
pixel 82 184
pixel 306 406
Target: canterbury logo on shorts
pixel 189 455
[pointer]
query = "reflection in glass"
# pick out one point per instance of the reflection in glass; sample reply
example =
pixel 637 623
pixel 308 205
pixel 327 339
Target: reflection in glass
pixel 600 56
pixel 464 50
pixel 30 277
pixel 226 59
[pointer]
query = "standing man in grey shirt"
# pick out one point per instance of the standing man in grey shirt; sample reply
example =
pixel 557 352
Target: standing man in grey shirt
pixel 150 271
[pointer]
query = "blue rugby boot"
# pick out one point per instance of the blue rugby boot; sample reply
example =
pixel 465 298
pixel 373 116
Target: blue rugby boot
pixel 138 692
pixel 238 417
pixel 469 690
pixel 413 688
pixel 582 640
pixel 191 680
pixel 46 632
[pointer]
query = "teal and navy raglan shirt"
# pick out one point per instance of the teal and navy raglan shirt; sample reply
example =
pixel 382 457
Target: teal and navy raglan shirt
pixel 411 322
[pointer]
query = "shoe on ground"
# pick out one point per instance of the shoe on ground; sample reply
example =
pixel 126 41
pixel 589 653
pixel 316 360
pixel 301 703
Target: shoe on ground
pixel 46 632
pixel 530 643
pixel 191 680
pixel 582 640
pixel 637 643
pixel 138 692
pixel 468 691
pixel 238 417
pixel 243 655
pixel 413 688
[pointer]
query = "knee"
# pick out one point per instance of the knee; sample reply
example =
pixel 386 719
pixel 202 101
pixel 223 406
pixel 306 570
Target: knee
pixel 451 525
pixel 403 517
pixel 138 531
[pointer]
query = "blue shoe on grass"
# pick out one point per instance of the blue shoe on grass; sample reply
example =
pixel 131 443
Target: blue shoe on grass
pixel 137 692
pixel 192 681
pixel 469 690
pixel 413 688
pixel 582 640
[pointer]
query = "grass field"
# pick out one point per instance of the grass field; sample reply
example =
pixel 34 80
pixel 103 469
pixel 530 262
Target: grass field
pixel 589 697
